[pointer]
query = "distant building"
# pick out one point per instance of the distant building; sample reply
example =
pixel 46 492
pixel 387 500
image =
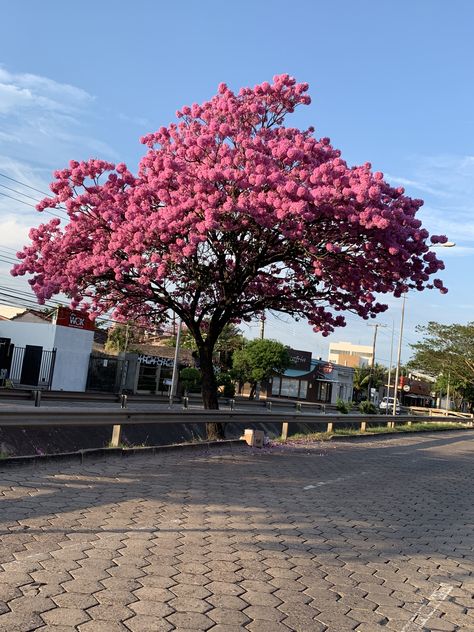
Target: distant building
pixel 308 379
pixel 348 354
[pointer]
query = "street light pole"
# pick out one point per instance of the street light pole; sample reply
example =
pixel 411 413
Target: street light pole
pixel 174 379
pixel 390 367
pixel 399 354
pixel 372 364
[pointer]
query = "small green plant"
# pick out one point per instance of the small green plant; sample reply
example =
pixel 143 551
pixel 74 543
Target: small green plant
pixel 343 407
pixel 225 385
pixel 191 379
pixel 367 408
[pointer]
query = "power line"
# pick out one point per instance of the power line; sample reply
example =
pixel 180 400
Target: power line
pixel 28 204
pixel 23 184
pixel 3 175
pixel 30 197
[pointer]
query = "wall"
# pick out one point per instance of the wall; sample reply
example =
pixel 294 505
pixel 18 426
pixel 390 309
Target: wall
pixel 74 347
pixel 344 384
pixel 22 334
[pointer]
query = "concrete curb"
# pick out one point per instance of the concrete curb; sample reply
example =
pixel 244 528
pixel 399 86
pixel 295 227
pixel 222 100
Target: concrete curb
pixel 381 435
pixel 37 459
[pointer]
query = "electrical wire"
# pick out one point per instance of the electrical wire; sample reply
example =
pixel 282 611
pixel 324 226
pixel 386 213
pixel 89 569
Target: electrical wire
pixel 28 204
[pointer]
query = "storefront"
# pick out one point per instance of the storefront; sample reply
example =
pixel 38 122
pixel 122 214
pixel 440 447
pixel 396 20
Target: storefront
pixel 154 374
pixel 312 380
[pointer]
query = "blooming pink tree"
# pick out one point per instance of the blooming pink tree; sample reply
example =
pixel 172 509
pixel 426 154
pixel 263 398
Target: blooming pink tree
pixel 231 213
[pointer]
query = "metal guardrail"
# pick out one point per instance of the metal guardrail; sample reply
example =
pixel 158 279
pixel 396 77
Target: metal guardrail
pixel 48 417
pixel 439 412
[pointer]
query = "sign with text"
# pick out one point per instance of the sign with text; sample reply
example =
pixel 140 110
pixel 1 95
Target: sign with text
pixel 77 320
pixel 155 360
pixel 300 360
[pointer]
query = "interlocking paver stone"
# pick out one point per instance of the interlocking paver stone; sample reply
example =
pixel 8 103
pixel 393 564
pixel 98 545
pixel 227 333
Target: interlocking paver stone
pixel 225 539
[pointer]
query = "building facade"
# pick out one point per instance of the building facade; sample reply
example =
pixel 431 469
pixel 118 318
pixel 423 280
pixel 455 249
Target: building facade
pixel 311 380
pixel 348 354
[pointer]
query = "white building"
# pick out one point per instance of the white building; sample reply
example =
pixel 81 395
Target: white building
pixel 45 353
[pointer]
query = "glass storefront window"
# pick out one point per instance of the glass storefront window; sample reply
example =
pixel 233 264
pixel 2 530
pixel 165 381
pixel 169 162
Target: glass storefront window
pixel 289 388
pixel 303 389
pixel 276 386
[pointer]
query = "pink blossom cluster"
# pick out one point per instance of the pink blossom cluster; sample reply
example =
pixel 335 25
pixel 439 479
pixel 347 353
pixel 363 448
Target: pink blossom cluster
pixel 231 213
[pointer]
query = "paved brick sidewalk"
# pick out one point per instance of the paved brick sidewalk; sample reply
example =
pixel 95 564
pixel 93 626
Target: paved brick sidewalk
pixel 361 536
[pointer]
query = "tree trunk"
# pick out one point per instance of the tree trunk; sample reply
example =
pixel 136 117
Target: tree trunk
pixel 214 430
pixel 253 390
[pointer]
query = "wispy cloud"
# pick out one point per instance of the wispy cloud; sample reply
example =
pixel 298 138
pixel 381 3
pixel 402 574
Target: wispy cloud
pixel 45 122
pixel 415 184
pixel 447 182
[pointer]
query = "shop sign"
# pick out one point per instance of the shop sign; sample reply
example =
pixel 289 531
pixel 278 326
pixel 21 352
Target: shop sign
pixel 155 360
pixel 300 360
pixel 77 320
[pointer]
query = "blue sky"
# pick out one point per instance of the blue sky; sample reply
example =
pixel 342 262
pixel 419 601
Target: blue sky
pixel 391 82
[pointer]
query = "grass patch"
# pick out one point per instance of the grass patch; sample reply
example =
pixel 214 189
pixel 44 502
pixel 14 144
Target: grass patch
pixel 374 430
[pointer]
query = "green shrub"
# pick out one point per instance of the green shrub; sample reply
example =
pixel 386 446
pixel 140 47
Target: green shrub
pixel 225 385
pixel 190 379
pixel 368 408
pixel 343 407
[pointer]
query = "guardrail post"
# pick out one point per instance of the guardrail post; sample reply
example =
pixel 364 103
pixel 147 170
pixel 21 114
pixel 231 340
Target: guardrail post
pixel 298 407
pixel 123 401
pixel 116 432
pixel 37 398
pixel 363 426
pixel 330 426
pixel 284 431
pixel 232 404
pixel 185 401
pixel 269 406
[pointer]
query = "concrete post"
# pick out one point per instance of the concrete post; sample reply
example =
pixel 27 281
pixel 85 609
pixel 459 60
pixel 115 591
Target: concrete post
pixel 115 441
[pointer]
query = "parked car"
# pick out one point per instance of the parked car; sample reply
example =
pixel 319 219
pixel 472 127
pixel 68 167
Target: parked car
pixel 387 402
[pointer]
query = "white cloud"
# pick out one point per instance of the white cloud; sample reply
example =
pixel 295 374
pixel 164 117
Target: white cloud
pixel 448 184
pixel 46 122
pixel 33 91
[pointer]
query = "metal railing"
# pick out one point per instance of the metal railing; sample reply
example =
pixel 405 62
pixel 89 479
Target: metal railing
pixel 117 417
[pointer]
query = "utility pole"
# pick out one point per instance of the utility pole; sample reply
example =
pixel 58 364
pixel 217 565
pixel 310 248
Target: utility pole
pixel 262 326
pixel 448 406
pixel 376 326
pixel 174 379
pixel 390 367
pixel 399 354
pixel 127 330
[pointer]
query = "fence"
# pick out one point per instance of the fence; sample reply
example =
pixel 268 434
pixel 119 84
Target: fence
pixel 32 369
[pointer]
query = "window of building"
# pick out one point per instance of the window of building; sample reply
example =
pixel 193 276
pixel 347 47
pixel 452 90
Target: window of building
pixel 303 389
pixel 276 386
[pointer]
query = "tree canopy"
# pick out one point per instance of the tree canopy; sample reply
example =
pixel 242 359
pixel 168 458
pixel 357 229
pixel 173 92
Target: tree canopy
pixel 447 351
pixel 258 360
pixel 230 213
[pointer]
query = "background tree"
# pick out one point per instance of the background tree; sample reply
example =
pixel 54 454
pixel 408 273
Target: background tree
pixel 122 338
pixel 362 377
pixel 258 360
pixel 190 378
pixel 447 351
pixel 231 213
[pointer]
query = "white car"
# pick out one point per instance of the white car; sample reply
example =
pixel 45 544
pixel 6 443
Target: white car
pixel 387 402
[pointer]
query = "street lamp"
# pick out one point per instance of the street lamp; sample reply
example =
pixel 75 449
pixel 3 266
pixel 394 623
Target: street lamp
pixel 447 244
